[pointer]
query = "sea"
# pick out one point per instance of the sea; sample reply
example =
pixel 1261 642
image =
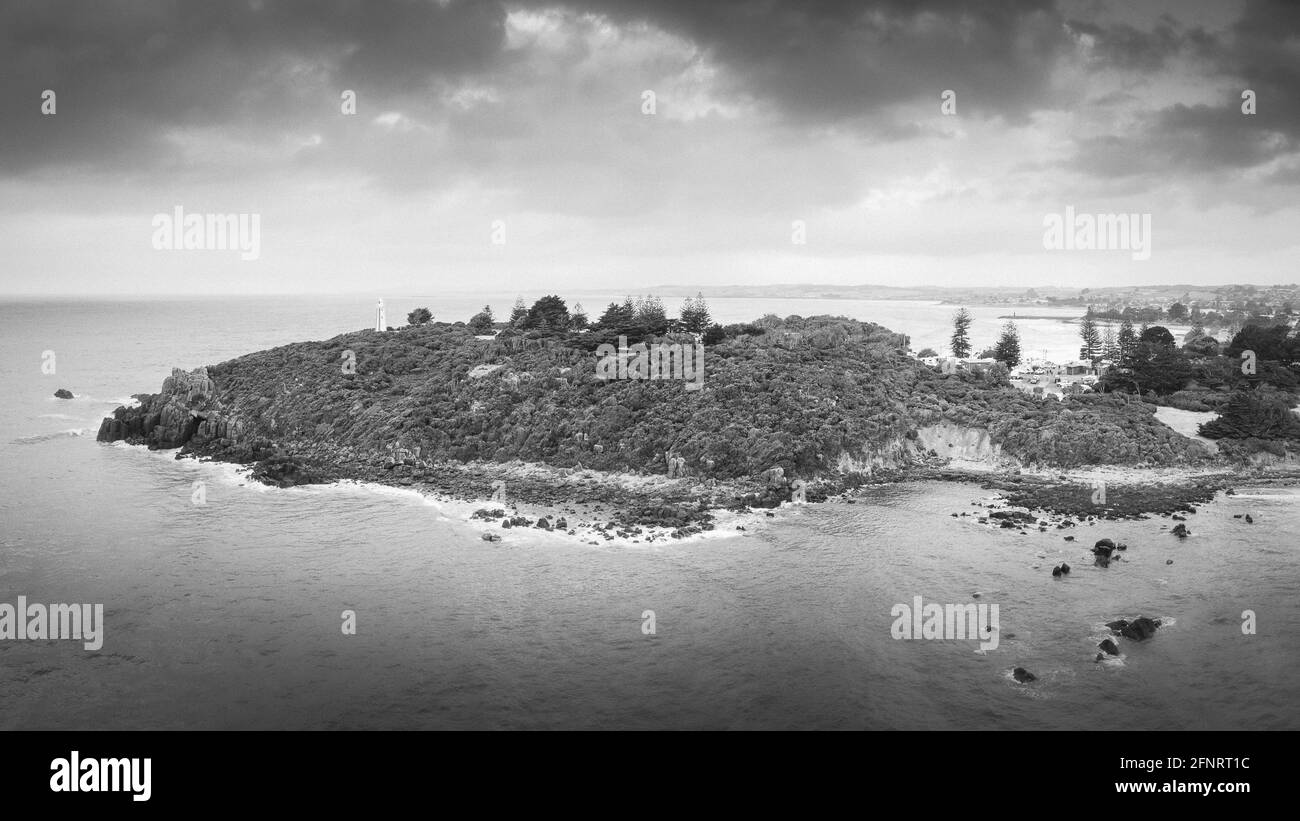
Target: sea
pixel 231 613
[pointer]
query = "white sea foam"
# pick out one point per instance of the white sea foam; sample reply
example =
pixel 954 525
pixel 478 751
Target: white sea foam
pixel 33 438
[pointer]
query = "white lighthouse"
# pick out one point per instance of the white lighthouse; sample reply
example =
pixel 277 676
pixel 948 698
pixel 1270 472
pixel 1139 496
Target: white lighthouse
pixel 381 321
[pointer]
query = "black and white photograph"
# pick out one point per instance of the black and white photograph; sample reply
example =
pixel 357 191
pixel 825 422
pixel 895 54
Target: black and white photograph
pixel 672 365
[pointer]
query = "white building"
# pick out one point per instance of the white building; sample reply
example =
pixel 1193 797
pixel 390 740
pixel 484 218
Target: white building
pixel 381 321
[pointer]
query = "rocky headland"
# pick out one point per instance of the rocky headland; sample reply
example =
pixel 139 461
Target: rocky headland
pixel 803 410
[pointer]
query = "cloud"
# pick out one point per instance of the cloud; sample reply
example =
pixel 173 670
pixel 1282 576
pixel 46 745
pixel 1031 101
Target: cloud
pixel 126 74
pixel 1257 52
pixel 531 112
pixel 825 62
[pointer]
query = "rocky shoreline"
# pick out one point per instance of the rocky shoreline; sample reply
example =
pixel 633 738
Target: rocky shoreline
pixel 599 505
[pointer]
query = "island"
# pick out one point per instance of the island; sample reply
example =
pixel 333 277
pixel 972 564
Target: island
pixel 786 411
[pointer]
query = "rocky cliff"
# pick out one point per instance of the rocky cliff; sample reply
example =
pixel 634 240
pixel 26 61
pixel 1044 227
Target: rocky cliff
pixel 184 412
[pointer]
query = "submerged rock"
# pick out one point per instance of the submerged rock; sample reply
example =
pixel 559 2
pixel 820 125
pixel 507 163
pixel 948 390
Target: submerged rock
pixel 1180 530
pixel 491 537
pixel 1109 647
pixel 63 393
pixel 1023 676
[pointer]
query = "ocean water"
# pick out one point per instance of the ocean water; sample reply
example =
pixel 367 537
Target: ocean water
pixel 228 614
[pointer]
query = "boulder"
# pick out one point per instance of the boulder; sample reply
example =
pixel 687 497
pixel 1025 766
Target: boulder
pixel 491 537
pixel 1023 676
pixel 1140 629
pixel 1103 547
pixel 1180 530
pixel 63 393
pixel 287 471
pixel 1109 647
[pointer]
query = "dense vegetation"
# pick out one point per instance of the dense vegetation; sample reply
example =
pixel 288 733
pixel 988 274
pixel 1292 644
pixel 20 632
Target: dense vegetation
pixel 1252 382
pixel 795 393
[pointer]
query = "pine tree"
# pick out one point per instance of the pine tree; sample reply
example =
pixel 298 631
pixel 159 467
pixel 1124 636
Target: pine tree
pixel 1109 346
pixel 577 317
pixel 617 317
pixel 1127 341
pixel 960 342
pixel 1091 348
pixel 650 312
pixel 695 314
pixel 1007 351
pixel 519 312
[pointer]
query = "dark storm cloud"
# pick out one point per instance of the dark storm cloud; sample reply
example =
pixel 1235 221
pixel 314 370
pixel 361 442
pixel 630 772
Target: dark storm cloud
pixel 125 72
pixel 1258 53
pixel 1184 138
pixel 827 61
pixel 128 72
pixel 146 87
pixel 1125 47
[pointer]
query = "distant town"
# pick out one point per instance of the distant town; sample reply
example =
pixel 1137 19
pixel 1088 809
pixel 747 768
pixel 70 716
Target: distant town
pixel 1217 307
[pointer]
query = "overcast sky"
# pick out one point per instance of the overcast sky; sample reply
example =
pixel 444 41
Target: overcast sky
pixel 532 114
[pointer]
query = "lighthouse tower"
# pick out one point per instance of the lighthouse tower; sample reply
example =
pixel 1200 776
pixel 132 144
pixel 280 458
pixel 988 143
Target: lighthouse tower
pixel 381 321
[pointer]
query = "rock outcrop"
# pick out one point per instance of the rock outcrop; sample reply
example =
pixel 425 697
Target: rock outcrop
pixel 1140 629
pixel 185 411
